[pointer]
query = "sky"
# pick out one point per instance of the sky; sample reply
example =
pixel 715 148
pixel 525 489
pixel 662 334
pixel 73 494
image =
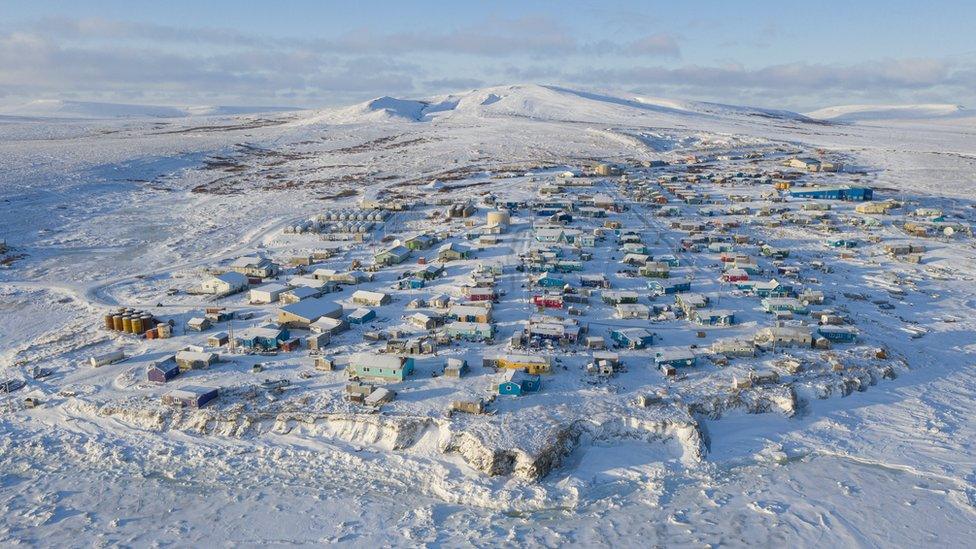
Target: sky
pixel 792 55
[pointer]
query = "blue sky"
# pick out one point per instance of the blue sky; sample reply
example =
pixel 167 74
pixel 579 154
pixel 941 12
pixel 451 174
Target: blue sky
pixel 306 53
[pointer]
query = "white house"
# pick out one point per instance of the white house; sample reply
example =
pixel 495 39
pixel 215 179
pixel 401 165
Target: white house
pixel 226 283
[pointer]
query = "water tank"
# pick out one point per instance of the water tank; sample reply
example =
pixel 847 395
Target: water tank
pixel 498 218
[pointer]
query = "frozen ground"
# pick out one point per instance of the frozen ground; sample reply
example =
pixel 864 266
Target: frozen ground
pixel 106 212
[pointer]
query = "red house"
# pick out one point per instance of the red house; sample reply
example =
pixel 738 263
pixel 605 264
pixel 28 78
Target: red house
pixel 548 301
pixel 735 275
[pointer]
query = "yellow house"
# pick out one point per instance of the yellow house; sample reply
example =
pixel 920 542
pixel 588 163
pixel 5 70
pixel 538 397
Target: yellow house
pixel 782 185
pixel 532 364
pixel 875 207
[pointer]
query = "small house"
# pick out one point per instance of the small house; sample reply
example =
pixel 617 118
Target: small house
pixel 225 284
pixel 361 316
pixel 675 358
pixel 162 371
pixel 194 360
pixel 455 367
pixel 267 337
pixel 452 252
pixel 517 382
pixel 714 317
pixel 392 256
pixel 254 266
pixel 218 340
pixel 306 312
pixel 198 324
pixel 632 338
pixel 267 293
pixel 470 313
pixel 300 293
pixel 471 331
pixel 370 298
pixel 379 367
pixel 633 310
pixel 317 342
pixel 379 397
pixel 532 364
pixel 190 396
pixel 838 334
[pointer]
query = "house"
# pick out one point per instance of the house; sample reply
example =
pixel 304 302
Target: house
pixel 472 331
pixel 655 269
pixel 379 397
pixel 369 298
pixel 594 281
pixel 668 287
pixel 268 336
pixel 327 325
pixel 714 317
pixel 548 301
pixel 295 295
pixel 456 367
pixel 476 406
pixel 479 294
pixel 392 256
pixel 517 382
pixel 377 367
pixel 194 360
pixel 532 364
pixel 470 313
pixel 778 304
pixel 317 342
pixel 549 280
pixel 452 252
pixel 675 358
pixel 225 284
pixel 163 371
pixel 266 294
pixel 691 301
pixel 419 242
pixel 632 338
pixel 845 192
pixel 734 348
pixel 190 396
pixel 198 324
pixel 361 316
pixel 218 340
pixel 838 334
pixel 616 297
pixel 633 310
pixel 784 336
pixel 425 321
pixel 306 312
pixel 254 266
pixel 735 275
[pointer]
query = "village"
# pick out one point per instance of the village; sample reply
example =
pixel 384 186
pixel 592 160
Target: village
pixel 677 288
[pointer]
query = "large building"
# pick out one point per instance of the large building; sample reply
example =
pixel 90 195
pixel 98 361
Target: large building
pixel 844 192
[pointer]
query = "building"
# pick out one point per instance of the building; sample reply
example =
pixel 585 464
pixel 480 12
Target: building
pixel 225 284
pixel 267 337
pixel 633 310
pixel 675 358
pixel 218 340
pixel 268 293
pixel 198 324
pixel 632 338
pixel 845 192
pixel 254 266
pixel 318 341
pixel 781 304
pixel 532 364
pixel 455 367
pixel 425 321
pixel 419 242
pixel 473 331
pixel 713 317
pixel 838 334
pixel 734 348
pixel 616 297
pixel 517 382
pixel 371 299
pixel 327 325
pixel 379 397
pixel 784 336
pixel 163 371
pixel 297 294
pixel 194 360
pixel 361 316
pixel 190 396
pixel 306 312
pixel 392 256
pixel 470 313
pixel 453 251
pixel 377 367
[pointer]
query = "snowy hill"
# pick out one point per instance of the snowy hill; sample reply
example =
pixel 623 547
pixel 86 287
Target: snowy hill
pixel 54 108
pixel 538 102
pixel 854 113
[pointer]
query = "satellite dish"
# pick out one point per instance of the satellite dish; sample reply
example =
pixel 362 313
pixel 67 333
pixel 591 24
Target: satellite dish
pixel 948 231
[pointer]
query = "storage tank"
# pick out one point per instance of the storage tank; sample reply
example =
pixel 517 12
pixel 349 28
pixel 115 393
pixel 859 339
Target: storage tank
pixel 109 322
pixel 150 334
pixel 127 324
pixel 148 322
pixel 498 218
pixel 163 330
pixel 117 322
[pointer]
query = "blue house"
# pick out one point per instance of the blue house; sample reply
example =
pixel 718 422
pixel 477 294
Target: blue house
pixel 671 260
pixel 632 338
pixel 845 192
pixel 548 280
pixel 264 337
pixel 676 358
pixel 668 287
pixel 517 382
pixel 838 334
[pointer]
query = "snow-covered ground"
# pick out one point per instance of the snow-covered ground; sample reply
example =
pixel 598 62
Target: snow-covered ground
pixel 105 212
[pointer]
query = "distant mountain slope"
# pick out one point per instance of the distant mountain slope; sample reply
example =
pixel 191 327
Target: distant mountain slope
pixel 54 108
pixel 538 102
pixel 854 113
